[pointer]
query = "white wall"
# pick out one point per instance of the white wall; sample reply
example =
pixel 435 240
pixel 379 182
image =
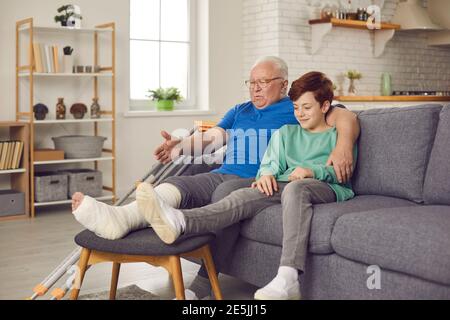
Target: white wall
pixel 136 137
pixel 281 27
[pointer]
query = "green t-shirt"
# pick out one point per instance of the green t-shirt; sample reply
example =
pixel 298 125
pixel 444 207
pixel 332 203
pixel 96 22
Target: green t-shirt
pixel 292 146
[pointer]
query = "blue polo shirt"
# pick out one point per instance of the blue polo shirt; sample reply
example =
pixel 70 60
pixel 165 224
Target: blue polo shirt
pixel 249 130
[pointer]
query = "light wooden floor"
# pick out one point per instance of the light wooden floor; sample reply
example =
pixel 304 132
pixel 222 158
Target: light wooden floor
pixel 31 249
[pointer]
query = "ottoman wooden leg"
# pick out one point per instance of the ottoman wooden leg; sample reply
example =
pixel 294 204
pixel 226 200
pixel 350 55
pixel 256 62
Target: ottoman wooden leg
pixel 114 281
pixel 212 274
pixel 177 277
pixel 82 265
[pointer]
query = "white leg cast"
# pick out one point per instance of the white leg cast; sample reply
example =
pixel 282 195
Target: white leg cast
pixel 107 221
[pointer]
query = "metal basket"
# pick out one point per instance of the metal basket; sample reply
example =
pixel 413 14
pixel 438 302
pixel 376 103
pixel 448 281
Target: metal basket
pixel 80 147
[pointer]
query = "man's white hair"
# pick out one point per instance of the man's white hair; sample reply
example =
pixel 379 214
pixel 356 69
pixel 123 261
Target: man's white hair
pixel 278 62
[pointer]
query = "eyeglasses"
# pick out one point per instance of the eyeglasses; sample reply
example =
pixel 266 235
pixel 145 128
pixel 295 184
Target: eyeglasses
pixel 262 83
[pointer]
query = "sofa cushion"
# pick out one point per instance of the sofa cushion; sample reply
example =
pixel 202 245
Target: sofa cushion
pixel 267 226
pixel 437 179
pixel 413 240
pixel 393 150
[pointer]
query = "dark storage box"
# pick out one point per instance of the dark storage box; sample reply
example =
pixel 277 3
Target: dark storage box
pixel 50 186
pixel 11 203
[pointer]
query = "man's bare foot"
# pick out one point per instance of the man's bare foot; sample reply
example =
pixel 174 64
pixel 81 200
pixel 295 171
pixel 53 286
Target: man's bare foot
pixel 77 198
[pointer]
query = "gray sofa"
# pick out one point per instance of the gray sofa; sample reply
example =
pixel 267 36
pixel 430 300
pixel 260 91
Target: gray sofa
pixel 398 221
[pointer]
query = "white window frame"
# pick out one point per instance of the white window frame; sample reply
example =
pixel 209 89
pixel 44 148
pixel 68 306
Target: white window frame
pixel 190 101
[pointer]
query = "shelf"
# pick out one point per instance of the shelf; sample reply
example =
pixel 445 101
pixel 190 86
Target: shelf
pixel 355 24
pixel 25 32
pixel 390 98
pixel 65 30
pixel 68 201
pixel 12 171
pixel 321 27
pixel 70 121
pixel 38 163
pixel 69 75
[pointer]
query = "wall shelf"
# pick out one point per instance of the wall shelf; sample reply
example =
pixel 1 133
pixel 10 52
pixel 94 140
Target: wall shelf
pixel 321 27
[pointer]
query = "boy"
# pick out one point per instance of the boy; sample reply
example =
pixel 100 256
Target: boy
pixel 293 171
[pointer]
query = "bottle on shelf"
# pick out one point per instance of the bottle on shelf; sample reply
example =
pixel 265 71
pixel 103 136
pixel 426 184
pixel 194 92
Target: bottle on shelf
pixel 60 109
pixel 95 109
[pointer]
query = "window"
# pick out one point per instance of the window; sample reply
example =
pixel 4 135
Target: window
pixel 161 49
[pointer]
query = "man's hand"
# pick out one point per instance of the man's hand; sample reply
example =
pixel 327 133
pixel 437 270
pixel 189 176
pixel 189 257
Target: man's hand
pixel 301 173
pixel 167 151
pixel 266 184
pixel 342 161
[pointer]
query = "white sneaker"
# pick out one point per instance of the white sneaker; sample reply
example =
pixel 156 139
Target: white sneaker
pixel 279 289
pixel 189 295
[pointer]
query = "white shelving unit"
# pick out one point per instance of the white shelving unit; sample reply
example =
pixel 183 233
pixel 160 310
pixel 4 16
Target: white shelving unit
pixel 54 203
pixel 72 75
pixel 37 163
pixel 26 72
pixel 13 171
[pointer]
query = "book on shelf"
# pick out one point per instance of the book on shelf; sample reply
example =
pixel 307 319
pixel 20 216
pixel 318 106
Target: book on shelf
pixel 46 58
pixel 10 154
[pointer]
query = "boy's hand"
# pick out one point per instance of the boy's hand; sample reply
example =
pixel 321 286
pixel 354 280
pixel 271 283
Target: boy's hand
pixel 266 184
pixel 301 173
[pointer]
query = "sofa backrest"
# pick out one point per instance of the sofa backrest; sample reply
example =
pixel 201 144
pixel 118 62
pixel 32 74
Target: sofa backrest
pixel 437 178
pixel 393 150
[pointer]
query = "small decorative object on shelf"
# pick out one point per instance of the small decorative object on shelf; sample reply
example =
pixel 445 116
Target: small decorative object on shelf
pixel 40 111
pixel 352 75
pixel 95 109
pixel 68 59
pixel 328 11
pixel 165 98
pixel 78 110
pixel 60 109
pixel 69 16
pixel 314 7
pixel 386 88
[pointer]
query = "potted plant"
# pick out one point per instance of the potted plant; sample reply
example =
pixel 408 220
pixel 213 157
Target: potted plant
pixel 66 12
pixel 165 98
pixel 352 75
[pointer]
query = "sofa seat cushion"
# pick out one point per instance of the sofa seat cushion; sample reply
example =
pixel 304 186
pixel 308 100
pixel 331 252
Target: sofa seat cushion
pixel 267 226
pixel 393 151
pixel 413 240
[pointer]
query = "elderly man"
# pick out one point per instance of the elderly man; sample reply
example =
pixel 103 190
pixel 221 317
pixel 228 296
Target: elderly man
pixel 268 110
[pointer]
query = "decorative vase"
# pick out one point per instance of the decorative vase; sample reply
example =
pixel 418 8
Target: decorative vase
pixel 164 105
pixel 386 84
pixel 68 63
pixel 352 88
pixel 60 109
pixel 95 109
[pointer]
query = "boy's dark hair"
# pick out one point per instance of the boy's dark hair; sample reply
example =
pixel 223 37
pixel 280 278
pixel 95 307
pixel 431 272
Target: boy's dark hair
pixel 315 82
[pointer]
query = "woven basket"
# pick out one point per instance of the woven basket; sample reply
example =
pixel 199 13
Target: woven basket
pixel 80 147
